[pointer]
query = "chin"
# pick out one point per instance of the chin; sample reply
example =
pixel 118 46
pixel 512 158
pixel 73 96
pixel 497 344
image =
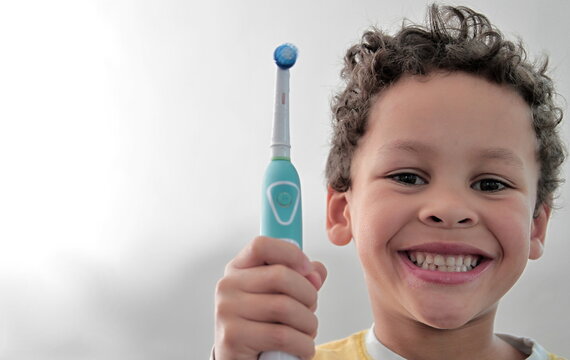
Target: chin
pixel 444 322
pixel 447 319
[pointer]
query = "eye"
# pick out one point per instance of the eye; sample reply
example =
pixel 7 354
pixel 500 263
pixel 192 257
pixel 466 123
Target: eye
pixel 489 185
pixel 408 179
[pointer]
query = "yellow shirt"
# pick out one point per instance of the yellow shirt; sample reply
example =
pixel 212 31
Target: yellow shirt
pixel 354 348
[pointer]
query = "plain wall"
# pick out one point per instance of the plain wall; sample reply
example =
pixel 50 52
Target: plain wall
pixel 133 139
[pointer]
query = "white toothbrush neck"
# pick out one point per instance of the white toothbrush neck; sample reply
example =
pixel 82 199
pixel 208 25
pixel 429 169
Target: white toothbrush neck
pixel 280 142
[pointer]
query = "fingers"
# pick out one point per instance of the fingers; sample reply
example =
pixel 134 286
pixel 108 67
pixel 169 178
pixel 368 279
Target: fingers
pixel 250 323
pixel 276 279
pixel 266 301
pixel 318 276
pixel 267 251
pixel 238 339
pixel 280 309
pixel 321 270
pixel 282 338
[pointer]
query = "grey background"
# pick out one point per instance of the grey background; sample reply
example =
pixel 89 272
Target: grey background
pixel 133 139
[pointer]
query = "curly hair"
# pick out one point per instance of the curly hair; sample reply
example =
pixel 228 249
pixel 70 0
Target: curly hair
pixel 454 39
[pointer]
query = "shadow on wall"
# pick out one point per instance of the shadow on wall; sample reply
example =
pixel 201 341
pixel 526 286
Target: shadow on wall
pixel 154 312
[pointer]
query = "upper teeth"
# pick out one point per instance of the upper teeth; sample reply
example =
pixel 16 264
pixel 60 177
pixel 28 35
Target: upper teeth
pixel 442 262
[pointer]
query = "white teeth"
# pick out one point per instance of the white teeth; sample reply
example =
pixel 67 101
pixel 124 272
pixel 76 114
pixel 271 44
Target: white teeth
pixel 420 258
pixel 442 262
pixel 459 261
pixel 439 260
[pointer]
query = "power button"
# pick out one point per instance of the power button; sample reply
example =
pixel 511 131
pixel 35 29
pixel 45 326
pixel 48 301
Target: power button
pixel 284 199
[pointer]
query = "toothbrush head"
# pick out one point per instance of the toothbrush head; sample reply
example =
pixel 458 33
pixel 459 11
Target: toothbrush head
pixel 285 56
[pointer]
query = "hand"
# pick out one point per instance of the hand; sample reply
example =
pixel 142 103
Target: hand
pixel 266 301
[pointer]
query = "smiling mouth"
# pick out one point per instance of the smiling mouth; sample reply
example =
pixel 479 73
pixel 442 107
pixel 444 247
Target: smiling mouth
pixel 444 262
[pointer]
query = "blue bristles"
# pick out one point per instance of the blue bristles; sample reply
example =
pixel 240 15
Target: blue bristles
pixel 285 56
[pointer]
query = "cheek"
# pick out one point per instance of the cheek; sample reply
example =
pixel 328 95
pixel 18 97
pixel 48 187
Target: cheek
pixel 512 226
pixel 378 218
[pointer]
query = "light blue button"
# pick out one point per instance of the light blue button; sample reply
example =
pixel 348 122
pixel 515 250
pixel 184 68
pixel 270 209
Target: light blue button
pixel 284 198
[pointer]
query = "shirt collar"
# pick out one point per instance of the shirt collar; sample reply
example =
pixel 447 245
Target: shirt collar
pixel 527 346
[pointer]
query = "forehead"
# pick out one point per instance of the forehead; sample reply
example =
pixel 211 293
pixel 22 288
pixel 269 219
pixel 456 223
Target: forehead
pixel 452 111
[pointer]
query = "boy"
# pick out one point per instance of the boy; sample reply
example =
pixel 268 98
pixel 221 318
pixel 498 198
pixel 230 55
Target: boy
pixel 444 161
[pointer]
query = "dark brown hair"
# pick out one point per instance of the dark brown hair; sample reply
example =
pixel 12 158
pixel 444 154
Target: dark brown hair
pixel 454 39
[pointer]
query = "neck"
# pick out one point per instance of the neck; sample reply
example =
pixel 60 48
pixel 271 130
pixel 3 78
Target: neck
pixel 474 340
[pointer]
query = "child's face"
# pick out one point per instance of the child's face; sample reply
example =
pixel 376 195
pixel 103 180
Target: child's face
pixel 447 167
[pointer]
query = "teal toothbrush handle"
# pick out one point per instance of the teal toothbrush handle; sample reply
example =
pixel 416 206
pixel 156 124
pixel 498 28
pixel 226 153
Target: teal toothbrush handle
pixel 281 215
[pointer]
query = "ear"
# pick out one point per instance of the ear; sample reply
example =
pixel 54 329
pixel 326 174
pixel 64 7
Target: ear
pixel 338 217
pixel 538 231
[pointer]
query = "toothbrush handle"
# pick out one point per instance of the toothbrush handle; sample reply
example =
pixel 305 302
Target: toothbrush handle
pixel 281 215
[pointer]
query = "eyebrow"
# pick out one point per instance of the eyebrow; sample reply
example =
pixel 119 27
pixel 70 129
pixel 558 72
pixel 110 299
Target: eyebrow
pixel 416 147
pixel 410 146
pixel 502 154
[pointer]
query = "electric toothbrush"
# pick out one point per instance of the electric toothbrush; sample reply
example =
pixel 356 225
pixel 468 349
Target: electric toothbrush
pixel 281 195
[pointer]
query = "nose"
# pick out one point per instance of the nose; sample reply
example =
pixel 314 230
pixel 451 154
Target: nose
pixel 448 211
